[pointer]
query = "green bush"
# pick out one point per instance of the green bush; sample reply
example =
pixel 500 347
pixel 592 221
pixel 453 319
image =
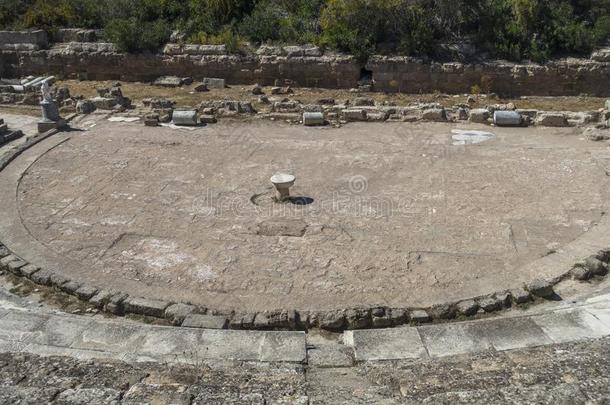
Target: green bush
pixel 264 24
pixel 362 27
pixel 226 37
pixel 131 35
pixel 538 29
pixel 49 15
pixel 284 21
pixel 11 12
pixel 511 29
pixel 355 26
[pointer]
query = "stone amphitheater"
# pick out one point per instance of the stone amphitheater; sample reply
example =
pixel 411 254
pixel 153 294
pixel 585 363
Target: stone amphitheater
pixel 444 247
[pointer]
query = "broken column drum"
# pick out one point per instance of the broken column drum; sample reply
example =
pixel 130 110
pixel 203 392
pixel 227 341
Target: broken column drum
pixel 185 117
pixel 313 118
pixel 507 118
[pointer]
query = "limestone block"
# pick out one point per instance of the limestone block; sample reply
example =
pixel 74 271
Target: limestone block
pixel 75 35
pixel 213 50
pixel 176 313
pixel 332 320
pixel 143 306
pixel 376 116
pixel 16 266
pixel 364 101
pixel 434 114
pixel 552 120
pixel 172 49
pixel 541 288
pixel 490 304
pixel 168 81
pixel 602 55
pixel 85 107
pixel 467 307
pixel 103 103
pixel 158 102
pixel 520 296
pixel 286 106
pixel 479 115
pixel 208 119
pixel 268 50
pixel 38 38
pixel 85 292
pixel 354 115
pixel 419 316
pixel 214 83
pixel 151 122
pixel 205 321
pixel 28 270
pixel 314 108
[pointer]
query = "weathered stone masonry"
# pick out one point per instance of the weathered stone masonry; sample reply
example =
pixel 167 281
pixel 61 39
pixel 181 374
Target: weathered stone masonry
pixel 556 78
pixel 31 53
pixel 70 60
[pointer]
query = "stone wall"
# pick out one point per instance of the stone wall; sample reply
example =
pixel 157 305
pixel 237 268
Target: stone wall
pixel 555 78
pixel 306 66
pixel 76 35
pixel 99 61
pixel 23 40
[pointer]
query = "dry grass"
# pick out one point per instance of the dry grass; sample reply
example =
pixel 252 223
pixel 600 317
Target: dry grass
pixel 29 110
pixel 185 96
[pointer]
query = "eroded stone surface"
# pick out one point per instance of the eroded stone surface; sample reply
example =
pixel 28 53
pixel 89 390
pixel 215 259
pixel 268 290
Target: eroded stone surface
pixel 570 373
pixel 170 216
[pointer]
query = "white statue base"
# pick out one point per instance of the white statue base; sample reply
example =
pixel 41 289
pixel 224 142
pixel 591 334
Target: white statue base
pixel 50 117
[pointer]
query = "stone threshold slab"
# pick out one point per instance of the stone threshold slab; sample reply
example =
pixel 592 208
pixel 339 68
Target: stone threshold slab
pixel 55 334
pixel 565 325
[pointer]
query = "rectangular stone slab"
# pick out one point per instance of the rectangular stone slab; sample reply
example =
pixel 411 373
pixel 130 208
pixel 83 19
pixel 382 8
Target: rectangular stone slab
pixel 385 344
pixel 571 325
pixel 452 339
pixel 205 321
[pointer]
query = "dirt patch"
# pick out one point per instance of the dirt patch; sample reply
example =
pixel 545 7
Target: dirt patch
pixel 186 96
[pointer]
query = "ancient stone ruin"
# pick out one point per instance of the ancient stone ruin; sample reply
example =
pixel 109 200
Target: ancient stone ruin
pixel 289 224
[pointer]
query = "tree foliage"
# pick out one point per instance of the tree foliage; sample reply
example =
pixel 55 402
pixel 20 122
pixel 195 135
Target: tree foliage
pixel 511 29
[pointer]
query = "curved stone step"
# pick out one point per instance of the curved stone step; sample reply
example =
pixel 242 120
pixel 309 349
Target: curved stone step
pixel 46 333
pixel 588 320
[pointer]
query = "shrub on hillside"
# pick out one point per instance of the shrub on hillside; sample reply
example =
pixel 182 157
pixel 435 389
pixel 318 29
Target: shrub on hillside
pixel 264 24
pixel 354 26
pixel 226 37
pixel 362 27
pixel 511 29
pixel 292 21
pixel 537 30
pixel 11 12
pixel 131 35
pixel 49 15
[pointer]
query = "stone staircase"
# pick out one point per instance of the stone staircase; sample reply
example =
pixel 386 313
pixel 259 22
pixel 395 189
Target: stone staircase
pixel 6 135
